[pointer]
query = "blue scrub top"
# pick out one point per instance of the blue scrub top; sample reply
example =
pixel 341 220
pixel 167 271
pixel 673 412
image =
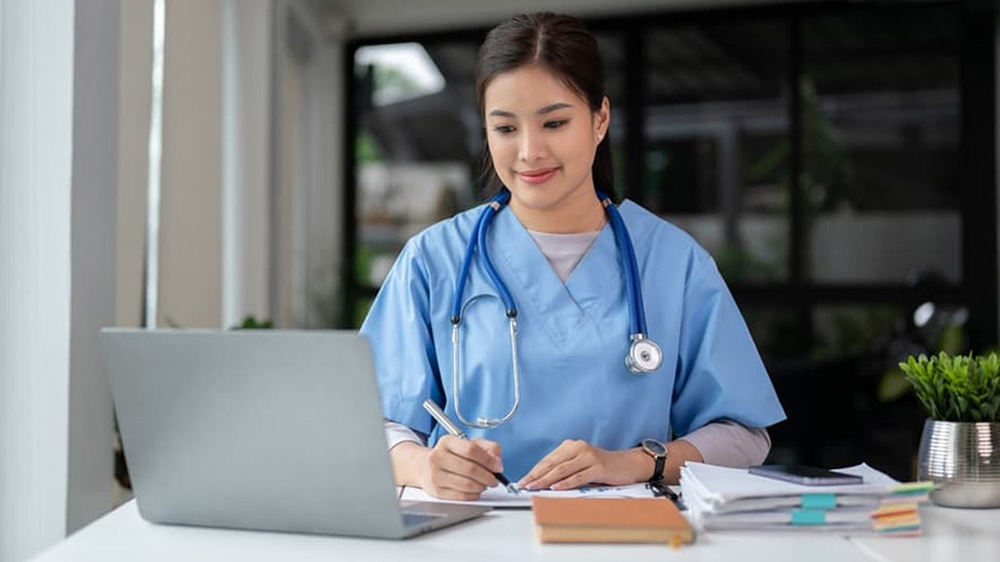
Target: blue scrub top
pixel 572 340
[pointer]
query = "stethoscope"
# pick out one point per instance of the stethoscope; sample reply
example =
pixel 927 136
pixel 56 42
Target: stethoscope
pixel 644 355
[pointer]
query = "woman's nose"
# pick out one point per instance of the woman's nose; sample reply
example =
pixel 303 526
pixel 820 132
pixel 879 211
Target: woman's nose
pixel 532 146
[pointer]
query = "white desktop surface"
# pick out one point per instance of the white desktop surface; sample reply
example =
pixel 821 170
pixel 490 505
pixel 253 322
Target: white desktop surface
pixel 508 535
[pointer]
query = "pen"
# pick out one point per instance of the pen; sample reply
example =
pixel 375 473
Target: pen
pixel 660 490
pixel 449 426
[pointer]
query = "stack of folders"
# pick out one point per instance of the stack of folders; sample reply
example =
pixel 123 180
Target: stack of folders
pixel 613 520
pixel 730 498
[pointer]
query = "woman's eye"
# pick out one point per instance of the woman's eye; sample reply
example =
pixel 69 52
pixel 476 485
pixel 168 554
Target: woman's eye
pixel 555 124
pixel 503 129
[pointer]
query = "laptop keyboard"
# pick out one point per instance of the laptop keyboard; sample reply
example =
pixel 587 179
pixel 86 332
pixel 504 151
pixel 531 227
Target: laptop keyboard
pixel 412 519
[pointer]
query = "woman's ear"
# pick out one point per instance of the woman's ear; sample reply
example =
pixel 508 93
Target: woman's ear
pixel 602 120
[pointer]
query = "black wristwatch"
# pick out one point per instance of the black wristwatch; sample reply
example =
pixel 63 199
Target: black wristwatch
pixel 658 451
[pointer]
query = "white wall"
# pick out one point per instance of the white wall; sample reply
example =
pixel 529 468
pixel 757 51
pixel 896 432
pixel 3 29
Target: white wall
pixel 35 156
pixel 58 150
pixel 94 194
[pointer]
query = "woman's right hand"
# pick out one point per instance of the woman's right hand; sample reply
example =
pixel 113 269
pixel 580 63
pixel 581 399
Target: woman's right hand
pixel 455 469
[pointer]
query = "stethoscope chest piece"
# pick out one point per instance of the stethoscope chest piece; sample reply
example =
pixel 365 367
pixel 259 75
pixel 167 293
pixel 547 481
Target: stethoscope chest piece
pixel 644 356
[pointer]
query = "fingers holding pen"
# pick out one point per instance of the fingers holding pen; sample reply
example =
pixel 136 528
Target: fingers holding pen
pixel 477 461
pixel 476 458
pixel 492 449
pixel 460 468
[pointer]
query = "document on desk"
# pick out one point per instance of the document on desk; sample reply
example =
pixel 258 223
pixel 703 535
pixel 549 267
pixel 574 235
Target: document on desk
pixel 729 498
pixel 723 489
pixel 498 496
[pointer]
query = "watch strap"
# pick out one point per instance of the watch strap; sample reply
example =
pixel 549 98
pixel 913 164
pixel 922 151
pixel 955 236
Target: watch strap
pixel 661 461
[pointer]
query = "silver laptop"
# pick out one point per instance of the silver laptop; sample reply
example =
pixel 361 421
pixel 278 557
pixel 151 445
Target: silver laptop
pixel 260 429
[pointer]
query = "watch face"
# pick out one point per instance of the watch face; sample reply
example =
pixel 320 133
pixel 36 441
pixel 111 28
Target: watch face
pixel 655 447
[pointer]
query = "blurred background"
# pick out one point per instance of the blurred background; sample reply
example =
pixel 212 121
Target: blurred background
pixel 270 158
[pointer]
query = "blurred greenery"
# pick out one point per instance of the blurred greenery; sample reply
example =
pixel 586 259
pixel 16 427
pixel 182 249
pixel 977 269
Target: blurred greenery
pixel 828 179
pixel 361 311
pixel 893 384
pixel 856 332
pixel 363 256
pixel 366 148
pixel 250 322
pixel 393 82
pixel 737 264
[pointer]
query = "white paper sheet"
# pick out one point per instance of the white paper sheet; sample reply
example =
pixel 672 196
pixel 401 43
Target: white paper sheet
pixel 498 496
pixel 719 485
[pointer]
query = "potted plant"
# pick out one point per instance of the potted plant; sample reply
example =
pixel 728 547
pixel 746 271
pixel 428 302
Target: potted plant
pixel 960 445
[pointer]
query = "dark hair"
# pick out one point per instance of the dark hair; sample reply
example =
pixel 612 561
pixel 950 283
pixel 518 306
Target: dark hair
pixel 560 44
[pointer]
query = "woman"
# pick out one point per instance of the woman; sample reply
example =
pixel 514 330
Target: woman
pixel 582 414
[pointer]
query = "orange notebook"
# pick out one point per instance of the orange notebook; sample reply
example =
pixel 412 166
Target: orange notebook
pixel 648 520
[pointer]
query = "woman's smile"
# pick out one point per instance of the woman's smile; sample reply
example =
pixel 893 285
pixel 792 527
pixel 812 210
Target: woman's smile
pixel 537 176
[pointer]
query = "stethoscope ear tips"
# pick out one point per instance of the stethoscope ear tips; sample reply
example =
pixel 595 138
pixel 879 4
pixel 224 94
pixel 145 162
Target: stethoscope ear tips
pixel 644 355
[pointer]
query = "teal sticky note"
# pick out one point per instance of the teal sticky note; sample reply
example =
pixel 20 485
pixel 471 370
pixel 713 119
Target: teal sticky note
pixel 808 517
pixel 819 501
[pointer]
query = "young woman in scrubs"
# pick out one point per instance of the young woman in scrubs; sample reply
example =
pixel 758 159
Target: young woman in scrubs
pixel 582 413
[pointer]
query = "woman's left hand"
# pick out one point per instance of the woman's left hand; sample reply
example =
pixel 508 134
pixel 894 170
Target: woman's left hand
pixel 576 463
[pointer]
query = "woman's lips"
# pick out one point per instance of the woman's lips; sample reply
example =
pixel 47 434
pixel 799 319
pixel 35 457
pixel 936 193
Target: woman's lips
pixel 537 176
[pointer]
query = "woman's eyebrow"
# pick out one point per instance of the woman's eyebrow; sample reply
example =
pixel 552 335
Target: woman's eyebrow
pixel 553 107
pixel 547 109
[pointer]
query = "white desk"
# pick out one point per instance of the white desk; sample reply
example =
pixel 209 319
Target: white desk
pixel 508 536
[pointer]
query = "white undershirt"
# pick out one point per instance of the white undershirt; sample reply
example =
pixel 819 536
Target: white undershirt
pixel 564 251
pixel 722 442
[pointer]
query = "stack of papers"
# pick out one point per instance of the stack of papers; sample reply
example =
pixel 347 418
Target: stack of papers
pixel 730 498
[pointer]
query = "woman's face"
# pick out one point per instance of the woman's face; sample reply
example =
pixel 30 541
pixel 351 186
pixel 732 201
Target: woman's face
pixel 542 138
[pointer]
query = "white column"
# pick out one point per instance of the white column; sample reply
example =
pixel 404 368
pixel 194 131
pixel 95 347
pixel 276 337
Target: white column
pixel 190 205
pixel 322 192
pixel 246 151
pixel 308 162
pixel 58 151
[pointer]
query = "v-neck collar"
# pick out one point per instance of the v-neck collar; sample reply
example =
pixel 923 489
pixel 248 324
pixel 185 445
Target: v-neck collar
pixel 561 308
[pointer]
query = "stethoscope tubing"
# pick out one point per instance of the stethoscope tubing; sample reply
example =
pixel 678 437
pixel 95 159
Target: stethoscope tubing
pixel 499 199
pixel 484 258
pixel 637 316
pixel 644 355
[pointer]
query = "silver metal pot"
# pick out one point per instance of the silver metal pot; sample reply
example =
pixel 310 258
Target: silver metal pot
pixel 963 460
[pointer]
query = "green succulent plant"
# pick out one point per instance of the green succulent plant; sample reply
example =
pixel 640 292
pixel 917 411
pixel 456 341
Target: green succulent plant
pixel 959 388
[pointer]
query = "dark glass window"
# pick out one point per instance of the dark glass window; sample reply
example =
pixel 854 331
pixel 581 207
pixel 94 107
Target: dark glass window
pixel 881 123
pixel 717 137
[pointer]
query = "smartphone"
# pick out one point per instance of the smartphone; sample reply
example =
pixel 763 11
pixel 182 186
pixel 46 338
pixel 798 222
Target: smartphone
pixel 805 475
